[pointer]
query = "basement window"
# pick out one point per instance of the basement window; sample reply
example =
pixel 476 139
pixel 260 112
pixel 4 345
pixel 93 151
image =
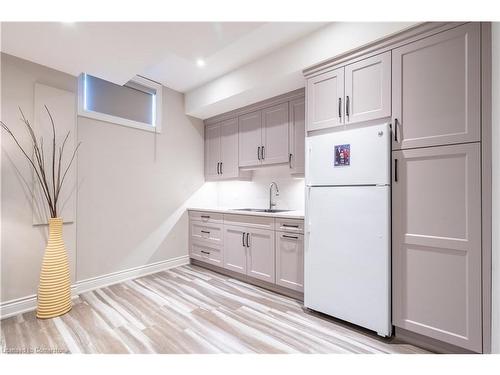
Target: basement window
pixel 136 104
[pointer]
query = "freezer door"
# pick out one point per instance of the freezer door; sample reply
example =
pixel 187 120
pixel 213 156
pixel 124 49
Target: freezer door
pixel 349 157
pixel 347 255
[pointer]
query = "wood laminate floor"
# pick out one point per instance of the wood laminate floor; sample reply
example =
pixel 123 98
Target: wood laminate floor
pixel 189 310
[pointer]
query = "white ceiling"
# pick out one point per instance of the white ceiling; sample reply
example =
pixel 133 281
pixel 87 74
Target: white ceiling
pixel 163 51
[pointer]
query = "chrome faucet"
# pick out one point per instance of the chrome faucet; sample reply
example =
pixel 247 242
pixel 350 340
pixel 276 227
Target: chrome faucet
pixel 271 203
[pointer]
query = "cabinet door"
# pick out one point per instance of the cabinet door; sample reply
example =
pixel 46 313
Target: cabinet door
pixel 368 89
pixel 437 243
pixel 250 139
pixel 229 148
pixel 297 136
pixel 212 151
pixel 235 253
pixel 436 89
pixel 325 95
pixel 260 261
pixel 275 128
pixel 290 260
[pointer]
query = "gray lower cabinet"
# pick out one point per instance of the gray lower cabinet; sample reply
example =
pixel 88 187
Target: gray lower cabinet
pixel 436 241
pixel 290 260
pixel 249 251
pixel 207 253
pixel 260 254
pixel 261 247
pixel 436 89
pixel 235 258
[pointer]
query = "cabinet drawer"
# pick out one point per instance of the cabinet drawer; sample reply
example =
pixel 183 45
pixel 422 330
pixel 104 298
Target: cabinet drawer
pixel 289 225
pixel 206 232
pixel 258 222
pixel 206 217
pixel 207 254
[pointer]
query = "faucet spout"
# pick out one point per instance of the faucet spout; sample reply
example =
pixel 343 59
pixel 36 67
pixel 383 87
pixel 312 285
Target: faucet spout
pixel 271 203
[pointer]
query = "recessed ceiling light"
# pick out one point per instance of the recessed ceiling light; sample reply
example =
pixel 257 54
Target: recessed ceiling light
pixel 200 63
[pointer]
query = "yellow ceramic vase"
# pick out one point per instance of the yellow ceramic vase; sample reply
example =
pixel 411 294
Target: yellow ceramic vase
pixel 54 291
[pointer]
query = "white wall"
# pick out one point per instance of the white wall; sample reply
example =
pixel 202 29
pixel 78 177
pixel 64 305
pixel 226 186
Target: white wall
pixel 281 71
pixel 131 198
pixel 496 186
pixel 22 244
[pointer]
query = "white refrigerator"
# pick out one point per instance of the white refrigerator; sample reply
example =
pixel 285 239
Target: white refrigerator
pixel 348 221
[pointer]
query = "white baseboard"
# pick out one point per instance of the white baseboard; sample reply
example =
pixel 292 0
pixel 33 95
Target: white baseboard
pixel 28 303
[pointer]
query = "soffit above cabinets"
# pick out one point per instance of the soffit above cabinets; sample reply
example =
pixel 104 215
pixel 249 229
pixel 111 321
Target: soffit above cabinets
pixel 166 52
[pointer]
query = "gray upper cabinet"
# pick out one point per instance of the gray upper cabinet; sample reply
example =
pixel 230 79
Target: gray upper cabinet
pixel 212 151
pixel 325 100
pixel 250 139
pixel 263 136
pixel 436 89
pixel 437 243
pixel 275 128
pixel 368 89
pixel 358 92
pixel 229 167
pixel 297 136
pixel 221 150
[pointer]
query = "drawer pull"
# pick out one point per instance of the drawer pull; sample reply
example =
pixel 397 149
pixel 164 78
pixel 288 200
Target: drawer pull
pixel 205 216
pixel 292 237
pixel 205 252
pixel 205 231
pixel 290 225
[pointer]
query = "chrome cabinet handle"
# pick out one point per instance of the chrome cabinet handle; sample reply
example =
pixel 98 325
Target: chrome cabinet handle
pixel 258 152
pixel 340 108
pixel 347 103
pixel 292 237
pixel 248 234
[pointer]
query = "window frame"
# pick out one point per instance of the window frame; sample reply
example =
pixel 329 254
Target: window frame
pixel 157 109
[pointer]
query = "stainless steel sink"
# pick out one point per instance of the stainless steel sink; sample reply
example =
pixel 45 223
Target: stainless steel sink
pixel 260 210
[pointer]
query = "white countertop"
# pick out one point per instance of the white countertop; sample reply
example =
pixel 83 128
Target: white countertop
pixel 295 214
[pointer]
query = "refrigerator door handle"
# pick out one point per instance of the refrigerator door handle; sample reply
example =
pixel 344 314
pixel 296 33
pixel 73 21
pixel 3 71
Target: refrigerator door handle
pixel 308 208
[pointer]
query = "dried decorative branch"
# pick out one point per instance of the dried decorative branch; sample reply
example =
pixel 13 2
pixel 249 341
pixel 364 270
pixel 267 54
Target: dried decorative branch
pixel 50 189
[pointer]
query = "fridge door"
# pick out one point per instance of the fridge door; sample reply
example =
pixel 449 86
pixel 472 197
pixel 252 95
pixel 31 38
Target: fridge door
pixel 347 255
pixel 349 157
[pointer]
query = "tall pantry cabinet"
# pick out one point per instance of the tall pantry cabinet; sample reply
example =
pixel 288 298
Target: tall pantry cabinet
pixel 428 86
pixel 436 234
